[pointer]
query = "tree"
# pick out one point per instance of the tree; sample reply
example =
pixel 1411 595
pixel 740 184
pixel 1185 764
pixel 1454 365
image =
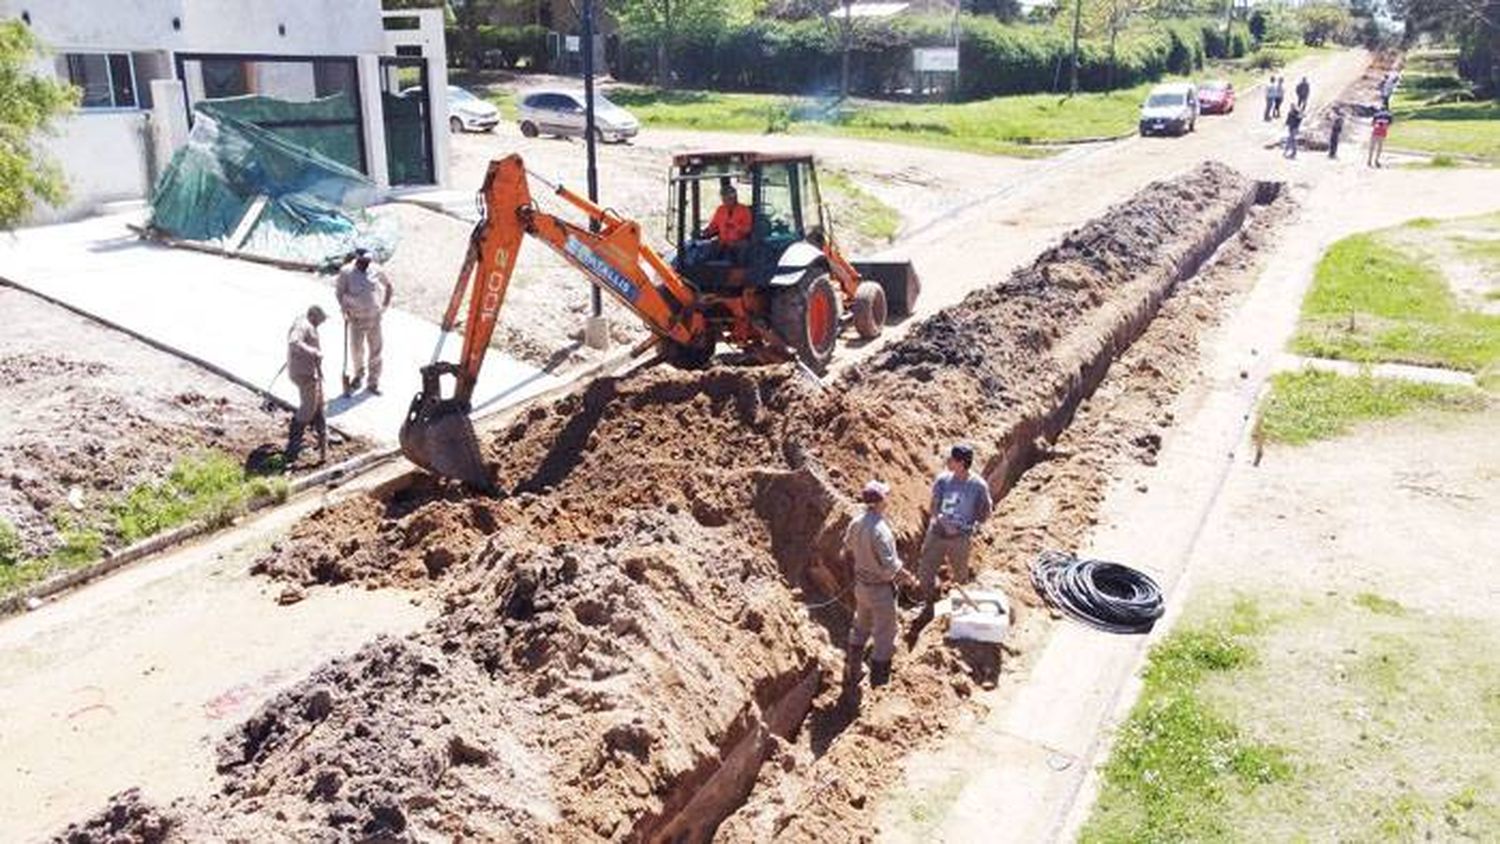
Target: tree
pixel 1006 11
pixel 1322 22
pixel 28 104
pixel 666 21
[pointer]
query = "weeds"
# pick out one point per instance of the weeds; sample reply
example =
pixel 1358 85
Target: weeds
pixel 10 544
pixel 1178 758
pixel 210 486
pixel 1386 723
pixel 1371 301
pixel 1311 405
pixel 872 218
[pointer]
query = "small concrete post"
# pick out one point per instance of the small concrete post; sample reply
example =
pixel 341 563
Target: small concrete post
pixel 376 166
pixel 169 122
pixel 596 332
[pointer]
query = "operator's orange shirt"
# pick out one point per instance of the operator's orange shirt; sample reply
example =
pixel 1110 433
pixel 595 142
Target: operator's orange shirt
pixel 731 223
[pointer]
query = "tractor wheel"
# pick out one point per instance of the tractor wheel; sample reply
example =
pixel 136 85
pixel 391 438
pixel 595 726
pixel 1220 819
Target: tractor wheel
pixel 869 310
pixel 689 356
pixel 529 129
pixel 806 315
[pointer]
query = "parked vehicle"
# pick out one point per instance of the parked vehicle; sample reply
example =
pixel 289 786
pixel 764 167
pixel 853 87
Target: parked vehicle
pixel 1170 109
pixel 466 112
pixel 560 113
pixel 1216 96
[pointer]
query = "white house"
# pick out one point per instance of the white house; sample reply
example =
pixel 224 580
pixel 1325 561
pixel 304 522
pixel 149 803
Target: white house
pixel 324 73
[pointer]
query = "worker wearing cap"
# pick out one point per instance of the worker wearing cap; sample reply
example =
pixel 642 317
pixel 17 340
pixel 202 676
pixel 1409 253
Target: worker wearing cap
pixel 960 502
pixel 731 223
pixel 304 366
pixel 364 293
pixel 871 543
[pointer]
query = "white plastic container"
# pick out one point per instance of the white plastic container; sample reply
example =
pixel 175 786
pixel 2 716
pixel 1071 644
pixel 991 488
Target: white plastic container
pixel 989 621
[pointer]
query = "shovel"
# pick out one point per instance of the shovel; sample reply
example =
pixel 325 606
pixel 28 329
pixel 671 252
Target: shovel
pixel 344 374
pixel 268 403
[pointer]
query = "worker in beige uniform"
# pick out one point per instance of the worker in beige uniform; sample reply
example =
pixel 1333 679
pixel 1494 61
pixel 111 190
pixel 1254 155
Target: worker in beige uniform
pixel 877 570
pixel 364 293
pixel 304 366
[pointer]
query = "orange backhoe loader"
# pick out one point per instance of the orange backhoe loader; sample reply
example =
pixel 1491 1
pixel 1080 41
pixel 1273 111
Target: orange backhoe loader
pixel 778 293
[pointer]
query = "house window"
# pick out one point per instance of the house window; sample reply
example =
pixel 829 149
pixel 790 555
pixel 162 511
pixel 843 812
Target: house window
pixel 107 80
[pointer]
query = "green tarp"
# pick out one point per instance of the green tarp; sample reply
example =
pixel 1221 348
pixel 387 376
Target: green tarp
pixel 312 211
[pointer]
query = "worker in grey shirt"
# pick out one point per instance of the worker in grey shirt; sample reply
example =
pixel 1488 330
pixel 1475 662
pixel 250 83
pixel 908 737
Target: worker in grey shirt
pixel 877 569
pixel 960 502
pixel 304 366
pixel 364 293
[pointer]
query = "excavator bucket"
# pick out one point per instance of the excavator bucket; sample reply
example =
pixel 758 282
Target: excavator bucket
pixel 438 435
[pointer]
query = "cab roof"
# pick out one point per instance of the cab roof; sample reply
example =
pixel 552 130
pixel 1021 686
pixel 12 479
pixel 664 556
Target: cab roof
pixel 743 158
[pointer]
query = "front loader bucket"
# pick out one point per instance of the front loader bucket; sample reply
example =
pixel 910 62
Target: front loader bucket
pixel 438 436
pixel 898 279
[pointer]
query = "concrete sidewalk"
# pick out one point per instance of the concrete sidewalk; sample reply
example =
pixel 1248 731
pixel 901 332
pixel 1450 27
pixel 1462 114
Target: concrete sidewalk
pixel 235 314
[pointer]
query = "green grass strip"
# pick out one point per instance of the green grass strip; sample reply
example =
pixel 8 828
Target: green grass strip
pixel 1371 301
pixel 1178 759
pixel 1311 405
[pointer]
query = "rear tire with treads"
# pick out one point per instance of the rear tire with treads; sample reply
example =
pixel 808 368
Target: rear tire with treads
pixel 806 315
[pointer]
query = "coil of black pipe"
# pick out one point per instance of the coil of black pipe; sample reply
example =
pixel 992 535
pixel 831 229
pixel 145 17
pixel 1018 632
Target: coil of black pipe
pixel 1109 596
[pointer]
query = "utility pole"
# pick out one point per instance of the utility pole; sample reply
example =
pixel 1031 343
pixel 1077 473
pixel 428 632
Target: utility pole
pixel 596 331
pixel 1073 71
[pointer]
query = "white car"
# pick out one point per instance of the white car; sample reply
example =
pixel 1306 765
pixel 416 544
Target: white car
pixel 466 112
pixel 1171 108
pixel 560 113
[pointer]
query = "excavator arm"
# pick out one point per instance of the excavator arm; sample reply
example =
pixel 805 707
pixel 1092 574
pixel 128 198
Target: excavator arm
pixel 437 434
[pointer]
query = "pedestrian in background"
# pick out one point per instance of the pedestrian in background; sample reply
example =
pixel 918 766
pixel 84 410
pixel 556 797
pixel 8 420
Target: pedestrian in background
pixel 1304 90
pixel 364 293
pixel 1270 99
pixel 1280 96
pixel 960 502
pixel 1380 126
pixel 1334 132
pixel 877 569
pixel 1293 123
pixel 304 366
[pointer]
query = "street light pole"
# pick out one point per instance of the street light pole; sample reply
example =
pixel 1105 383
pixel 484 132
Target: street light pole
pixel 596 334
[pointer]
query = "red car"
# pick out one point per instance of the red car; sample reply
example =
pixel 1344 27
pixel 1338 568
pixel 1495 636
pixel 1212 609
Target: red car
pixel 1215 97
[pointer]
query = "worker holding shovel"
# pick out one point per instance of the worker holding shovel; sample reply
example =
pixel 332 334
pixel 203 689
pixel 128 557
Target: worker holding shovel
pixel 877 569
pixel 364 293
pixel 304 366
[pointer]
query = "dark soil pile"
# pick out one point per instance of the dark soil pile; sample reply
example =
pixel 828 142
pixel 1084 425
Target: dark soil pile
pixel 638 642
pixel 86 407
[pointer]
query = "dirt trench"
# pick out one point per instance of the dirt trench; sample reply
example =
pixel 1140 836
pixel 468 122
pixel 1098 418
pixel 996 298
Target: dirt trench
pixel 639 641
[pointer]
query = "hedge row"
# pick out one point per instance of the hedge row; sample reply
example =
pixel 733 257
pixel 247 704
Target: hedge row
pixel 500 46
pixel 804 57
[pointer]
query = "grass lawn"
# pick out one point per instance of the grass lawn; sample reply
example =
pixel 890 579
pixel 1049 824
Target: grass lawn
pixel 210 486
pixel 1435 112
pixel 872 218
pixel 1347 718
pixel 1022 125
pixel 1383 296
pixel 1311 405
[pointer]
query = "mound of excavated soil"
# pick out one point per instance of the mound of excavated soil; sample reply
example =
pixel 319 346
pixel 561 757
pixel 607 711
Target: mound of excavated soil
pixel 86 407
pixel 638 640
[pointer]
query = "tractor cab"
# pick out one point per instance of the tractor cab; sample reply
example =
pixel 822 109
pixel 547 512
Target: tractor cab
pixel 779 195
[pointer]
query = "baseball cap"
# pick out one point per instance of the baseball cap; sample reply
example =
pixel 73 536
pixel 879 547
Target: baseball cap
pixel 874 491
pixel 963 454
